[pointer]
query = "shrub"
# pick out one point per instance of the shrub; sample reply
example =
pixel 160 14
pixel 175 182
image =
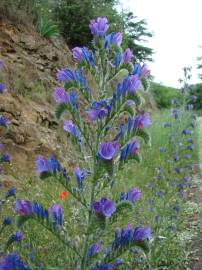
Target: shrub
pixel 164 94
pixel 196 96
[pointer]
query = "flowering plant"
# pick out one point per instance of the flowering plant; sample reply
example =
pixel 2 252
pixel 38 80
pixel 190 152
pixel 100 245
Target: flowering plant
pixel 106 141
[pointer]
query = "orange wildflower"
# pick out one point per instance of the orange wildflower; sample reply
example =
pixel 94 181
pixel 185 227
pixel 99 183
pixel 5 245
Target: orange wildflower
pixel 63 195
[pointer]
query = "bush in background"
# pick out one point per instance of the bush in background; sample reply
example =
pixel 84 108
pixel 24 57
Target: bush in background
pixel 196 91
pixel 164 94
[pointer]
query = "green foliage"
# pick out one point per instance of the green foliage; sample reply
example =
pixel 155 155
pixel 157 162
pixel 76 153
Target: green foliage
pixel 135 35
pixel 197 91
pixel 47 28
pixel 163 95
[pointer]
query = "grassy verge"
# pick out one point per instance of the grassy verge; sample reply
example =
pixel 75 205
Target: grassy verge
pixel 162 205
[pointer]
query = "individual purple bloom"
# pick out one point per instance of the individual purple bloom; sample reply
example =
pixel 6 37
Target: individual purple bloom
pixel 179 170
pixel 145 72
pixel 189 166
pixel 187 132
pixel 65 75
pixel 130 149
pixel 130 84
pixel 118 262
pixel 7 221
pixel 2 88
pixel 80 176
pixel 113 39
pixel 140 234
pixel 190 140
pixel 130 103
pixel 94 249
pixel 127 56
pixel 108 150
pixel 99 27
pixel 17 237
pixel 105 207
pixel 118 59
pixel 83 54
pixel 5 158
pixel 42 165
pixel 39 210
pixel 23 207
pixel 134 195
pixel 4 122
pixel 99 110
pixel 12 261
pixel 56 214
pixel 108 207
pixel 142 121
pixel 175 113
pixel 11 192
pixel 53 164
pixel 137 69
pixel 68 126
pixel 77 54
pixel 186 178
pixel 60 95
pixel 190 147
pixel 176 157
pixel 189 107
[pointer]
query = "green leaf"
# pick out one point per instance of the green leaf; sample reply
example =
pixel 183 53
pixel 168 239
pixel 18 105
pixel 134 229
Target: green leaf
pixel 144 135
pixel 60 110
pixel 22 219
pixel 145 84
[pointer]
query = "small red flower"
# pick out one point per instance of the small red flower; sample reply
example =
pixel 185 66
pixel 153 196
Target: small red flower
pixel 63 195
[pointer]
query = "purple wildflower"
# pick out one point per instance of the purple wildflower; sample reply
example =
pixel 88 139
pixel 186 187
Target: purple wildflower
pixel 56 213
pixel 99 110
pixel 175 113
pixel 187 132
pixel 60 95
pixel 42 164
pixel 130 84
pixel 17 237
pixel 130 149
pixel 80 176
pixel 94 249
pixel 23 207
pixel 7 221
pixel 12 261
pixel 2 88
pixel 176 157
pixel 142 121
pixel 4 122
pixel 77 54
pixel 140 234
pixel 108 150
pixel 134 195
pixel 166 124
pixel 179 170
pixel 5 158
pixel 99 27
pixel 105 207
pixel 113 39
pixel 65 75
pixel 11 192
pixel 145 72
pixel 127 56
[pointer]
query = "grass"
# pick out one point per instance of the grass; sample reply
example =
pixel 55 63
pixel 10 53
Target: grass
pixel 158 207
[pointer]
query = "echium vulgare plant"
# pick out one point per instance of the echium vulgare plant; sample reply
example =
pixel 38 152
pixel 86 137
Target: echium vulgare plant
pixel 104 126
